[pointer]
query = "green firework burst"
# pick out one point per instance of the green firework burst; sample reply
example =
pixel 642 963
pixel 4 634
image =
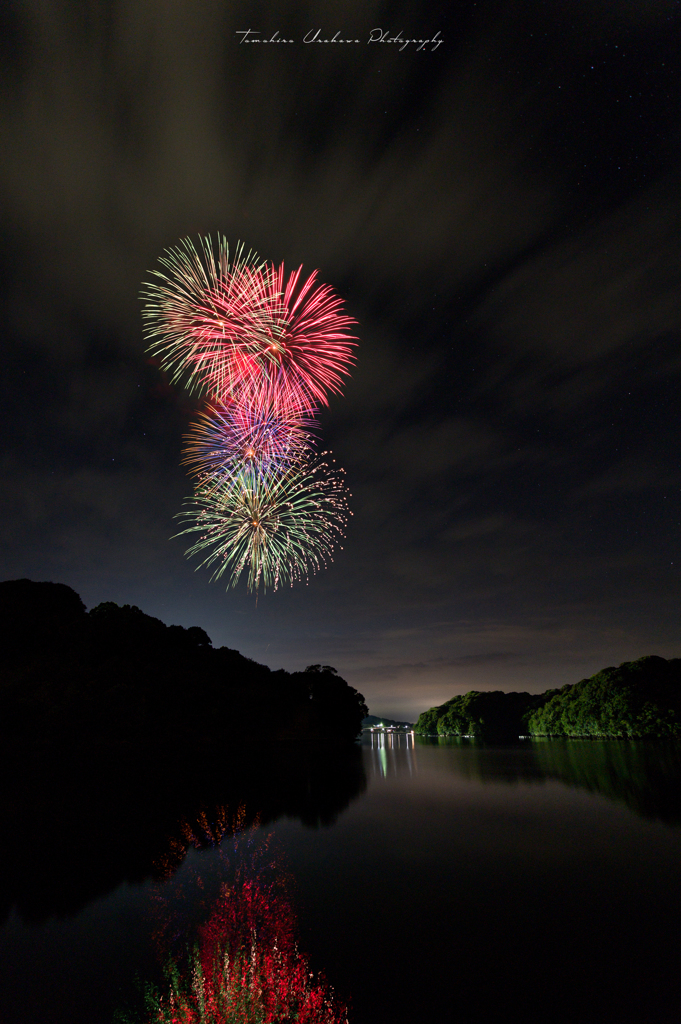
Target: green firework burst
pixel 278 527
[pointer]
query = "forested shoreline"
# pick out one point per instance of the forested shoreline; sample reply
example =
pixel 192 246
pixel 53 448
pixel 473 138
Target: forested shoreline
pixel 637 699
pixel 121 736
pixel 115 676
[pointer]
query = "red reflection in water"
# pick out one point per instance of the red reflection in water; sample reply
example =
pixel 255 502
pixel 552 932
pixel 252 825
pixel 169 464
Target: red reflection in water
pixel 244 965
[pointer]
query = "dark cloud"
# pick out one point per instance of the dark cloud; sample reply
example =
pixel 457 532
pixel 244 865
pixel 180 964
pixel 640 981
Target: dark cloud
pixel 614 284
pixel 133 129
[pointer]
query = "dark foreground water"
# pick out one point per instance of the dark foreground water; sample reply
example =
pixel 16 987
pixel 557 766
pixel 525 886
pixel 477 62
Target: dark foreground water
pixel 539 881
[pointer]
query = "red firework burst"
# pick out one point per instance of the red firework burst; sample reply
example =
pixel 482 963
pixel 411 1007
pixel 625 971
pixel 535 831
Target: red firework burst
pixel 238 328
pixel 210 318
pixel 296 347
pixel 312 350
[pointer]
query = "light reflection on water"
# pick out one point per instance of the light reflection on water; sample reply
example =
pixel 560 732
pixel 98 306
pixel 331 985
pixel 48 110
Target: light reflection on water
pixel 465 880
pixel 645 776
pixel 474 880
pixel 382 742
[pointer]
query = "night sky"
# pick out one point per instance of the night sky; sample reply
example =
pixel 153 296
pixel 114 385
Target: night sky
pixel 500 210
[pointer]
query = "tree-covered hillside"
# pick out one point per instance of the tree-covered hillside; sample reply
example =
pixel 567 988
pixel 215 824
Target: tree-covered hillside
pixel 117 676
pixel 118 732
pixel 487 714
pixel 637 699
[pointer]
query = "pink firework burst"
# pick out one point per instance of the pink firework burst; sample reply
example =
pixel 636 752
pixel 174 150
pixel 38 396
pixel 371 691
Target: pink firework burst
pixel 298 350
pixel 228 438
pixel 210 317
pixel 238 329
pixel 311 351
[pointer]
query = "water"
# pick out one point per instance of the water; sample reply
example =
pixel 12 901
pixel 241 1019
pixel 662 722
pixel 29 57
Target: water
pixel 539 880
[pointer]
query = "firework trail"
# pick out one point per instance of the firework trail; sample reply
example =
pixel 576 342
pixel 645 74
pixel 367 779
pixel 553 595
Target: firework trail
pixel 265 350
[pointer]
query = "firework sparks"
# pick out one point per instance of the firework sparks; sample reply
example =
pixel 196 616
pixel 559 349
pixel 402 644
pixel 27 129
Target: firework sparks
pixel 266 351
pixel 234 325
pixel 227 439
pixel 244 967
pixel 279 527
pixel 211 316
pixel 312 351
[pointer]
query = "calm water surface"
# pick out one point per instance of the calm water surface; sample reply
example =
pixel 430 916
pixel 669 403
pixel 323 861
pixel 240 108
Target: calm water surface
pixel 540 880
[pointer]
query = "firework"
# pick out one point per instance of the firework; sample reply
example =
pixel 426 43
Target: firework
pixel 312 352
pixel 227 439
pixel 235 327
pixel 278 526
pixel 211 316
pixel 265 350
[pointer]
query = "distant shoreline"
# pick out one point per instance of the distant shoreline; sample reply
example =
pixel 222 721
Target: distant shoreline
pixel 637 700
